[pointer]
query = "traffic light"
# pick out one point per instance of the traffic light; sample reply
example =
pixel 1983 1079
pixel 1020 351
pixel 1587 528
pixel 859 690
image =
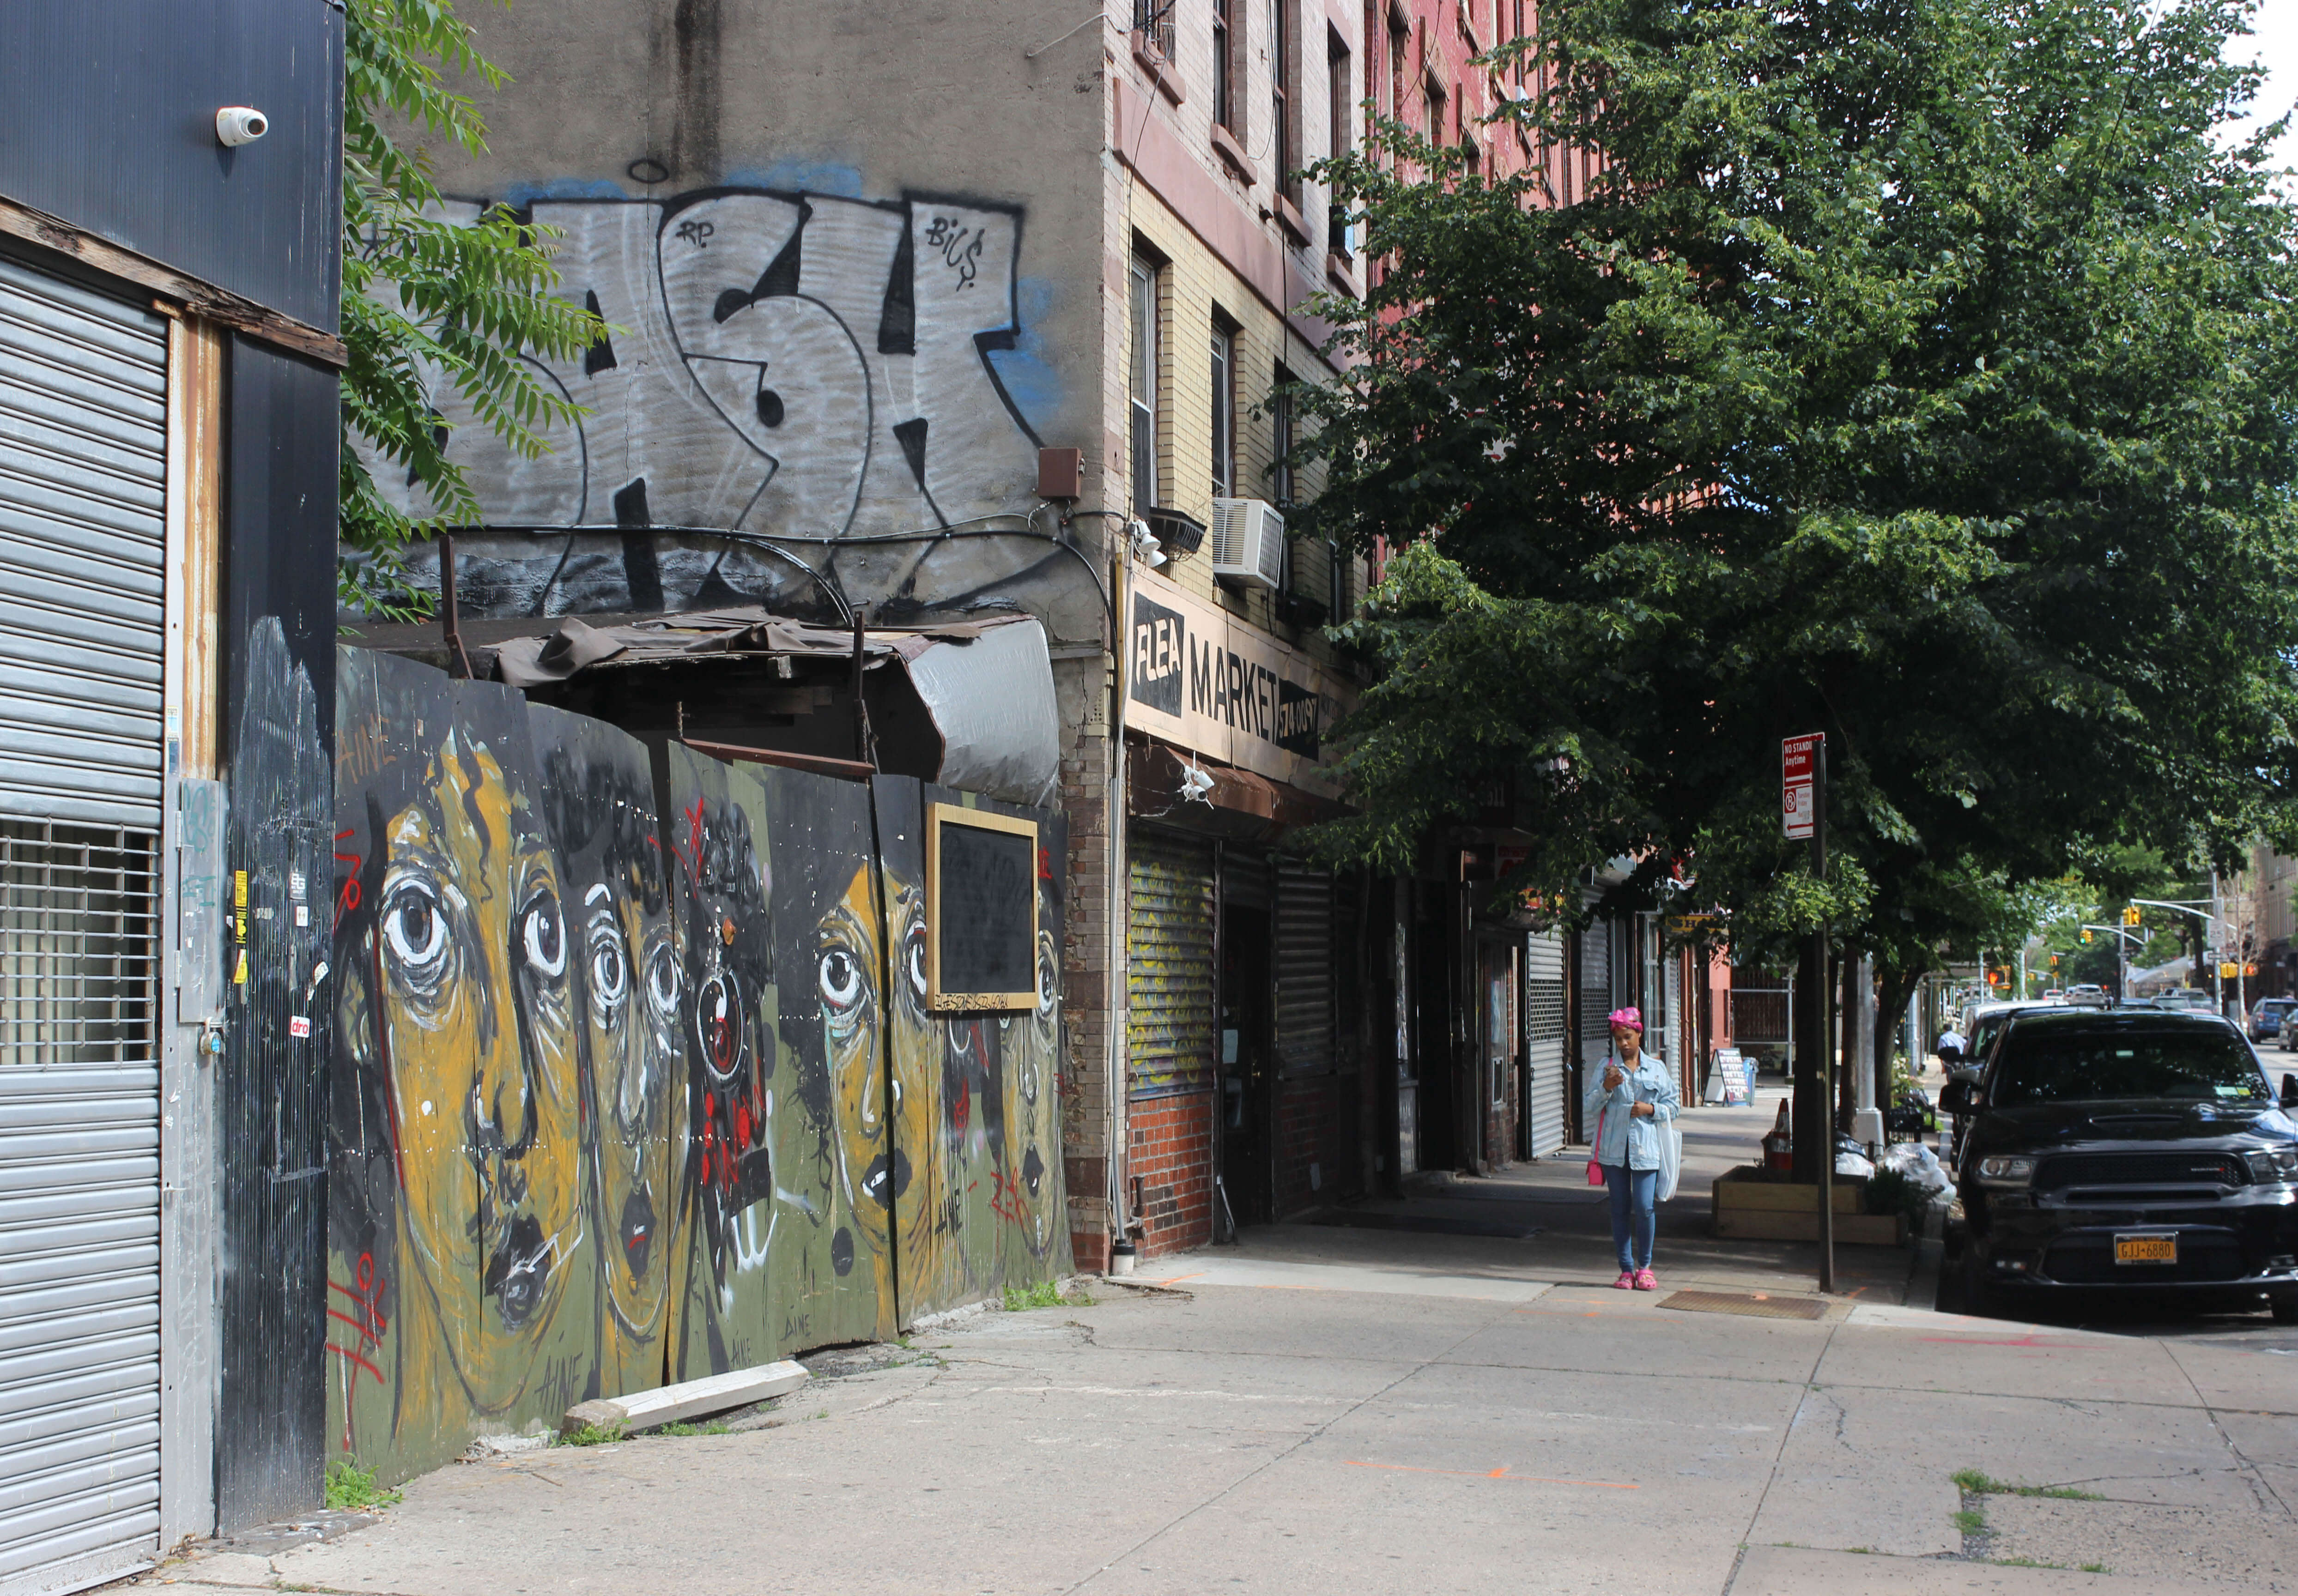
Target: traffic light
pixel 2130 915
pixel 2086 943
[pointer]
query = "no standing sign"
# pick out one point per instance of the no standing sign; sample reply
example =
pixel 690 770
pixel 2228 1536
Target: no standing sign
pixel 1798 779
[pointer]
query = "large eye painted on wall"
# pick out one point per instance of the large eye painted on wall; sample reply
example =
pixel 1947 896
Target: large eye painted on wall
pixel 1049 978
pixel 610 970
pixel 663 981
pixel 415 930
pixel 914 959
pixel 542 936
pixel 843 986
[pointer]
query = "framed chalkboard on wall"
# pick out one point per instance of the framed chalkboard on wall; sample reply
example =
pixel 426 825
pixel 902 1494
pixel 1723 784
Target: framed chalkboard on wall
pixel 981 911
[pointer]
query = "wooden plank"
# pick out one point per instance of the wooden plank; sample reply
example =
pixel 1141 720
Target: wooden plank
pixel 688 1399
pixel 1766 1197
pixel 821 764
pixel 197 298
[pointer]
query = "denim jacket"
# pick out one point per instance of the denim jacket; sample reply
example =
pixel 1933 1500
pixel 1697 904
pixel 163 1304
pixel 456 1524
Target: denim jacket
pixel 1627 1138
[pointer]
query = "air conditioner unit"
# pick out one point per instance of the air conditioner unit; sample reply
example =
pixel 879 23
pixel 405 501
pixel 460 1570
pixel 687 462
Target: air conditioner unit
pixel 1248 542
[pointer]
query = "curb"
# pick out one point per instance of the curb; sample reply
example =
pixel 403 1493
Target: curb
pixel 1923 1271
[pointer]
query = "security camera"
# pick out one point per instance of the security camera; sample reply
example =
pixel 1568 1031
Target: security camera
pixel 237 125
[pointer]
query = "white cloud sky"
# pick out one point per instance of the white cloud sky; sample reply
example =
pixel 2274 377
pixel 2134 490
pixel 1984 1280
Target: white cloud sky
pixel 2274 42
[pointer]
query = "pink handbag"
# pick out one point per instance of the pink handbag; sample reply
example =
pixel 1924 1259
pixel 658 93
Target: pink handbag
pixel 1595 1170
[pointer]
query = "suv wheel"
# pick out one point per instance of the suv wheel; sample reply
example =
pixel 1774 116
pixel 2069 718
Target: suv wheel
pixel 2285 1304
pixel 1978 1295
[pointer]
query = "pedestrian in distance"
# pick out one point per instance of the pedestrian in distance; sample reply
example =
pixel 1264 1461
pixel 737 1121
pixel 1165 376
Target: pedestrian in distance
pixel 1630 1102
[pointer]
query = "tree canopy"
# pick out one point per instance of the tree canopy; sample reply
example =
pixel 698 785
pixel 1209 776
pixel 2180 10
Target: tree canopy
pixel 429 299
pixel 1916 371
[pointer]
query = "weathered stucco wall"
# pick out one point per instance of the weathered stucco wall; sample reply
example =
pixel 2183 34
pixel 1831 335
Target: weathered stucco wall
pixel 854 256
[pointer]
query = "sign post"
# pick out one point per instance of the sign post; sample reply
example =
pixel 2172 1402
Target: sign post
pixel 1803 815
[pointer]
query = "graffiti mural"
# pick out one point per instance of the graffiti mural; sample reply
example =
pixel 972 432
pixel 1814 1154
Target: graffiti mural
pixel 787 363
pixel 790 1171
pixel 975 1098
pixel 461 1270
pixel 633 1083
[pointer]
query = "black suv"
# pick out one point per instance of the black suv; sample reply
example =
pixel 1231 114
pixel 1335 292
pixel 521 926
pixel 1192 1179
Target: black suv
pixel 2123 1149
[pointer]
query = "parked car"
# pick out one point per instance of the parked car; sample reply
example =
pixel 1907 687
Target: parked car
pixel 2124 1151
pixel 2267 1015
pixel 2186 997
pixel 2289 1036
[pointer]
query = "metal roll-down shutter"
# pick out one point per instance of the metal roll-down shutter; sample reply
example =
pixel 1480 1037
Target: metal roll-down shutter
pixel 1169 964
pixel 83 442
pixel 1304 969
pixel 1546 1082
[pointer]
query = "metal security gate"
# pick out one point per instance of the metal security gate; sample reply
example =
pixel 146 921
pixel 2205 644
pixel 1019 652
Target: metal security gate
pixel 1304 969
pixel 83 441
pixel 1595 1007
pixel 1546 1082
pixel 1169 964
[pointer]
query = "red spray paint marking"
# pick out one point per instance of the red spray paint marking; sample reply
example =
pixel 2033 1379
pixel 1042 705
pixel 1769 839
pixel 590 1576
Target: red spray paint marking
pixel 347 897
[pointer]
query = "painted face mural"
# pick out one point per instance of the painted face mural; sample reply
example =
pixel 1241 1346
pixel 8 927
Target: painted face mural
pixel 598 1121
pixel 462 1235
pixel 600 805
pixel 729 988
pixel 1030 1188
pixel 871 1168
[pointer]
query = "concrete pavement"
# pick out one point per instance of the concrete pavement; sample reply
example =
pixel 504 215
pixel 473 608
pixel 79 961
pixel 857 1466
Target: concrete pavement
pixel 1391 1422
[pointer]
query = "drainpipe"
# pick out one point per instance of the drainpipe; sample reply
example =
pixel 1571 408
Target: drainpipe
pixel 1117 1162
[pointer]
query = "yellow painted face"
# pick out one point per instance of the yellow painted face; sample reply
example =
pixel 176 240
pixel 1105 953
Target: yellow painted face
pixel 478 1033
pixel 916 1042
pixel 630 982
pixel 845 969
pixel 1032 1058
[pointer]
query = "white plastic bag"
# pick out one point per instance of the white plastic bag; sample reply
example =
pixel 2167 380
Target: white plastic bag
pixel 1671 1161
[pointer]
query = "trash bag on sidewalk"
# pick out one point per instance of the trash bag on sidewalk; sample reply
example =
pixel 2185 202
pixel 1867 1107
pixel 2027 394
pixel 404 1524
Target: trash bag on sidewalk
pixel 1918 1164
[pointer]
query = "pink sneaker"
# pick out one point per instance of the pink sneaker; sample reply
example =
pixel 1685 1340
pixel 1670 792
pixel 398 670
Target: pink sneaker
pixel 1627 1279
pixel 1647 1281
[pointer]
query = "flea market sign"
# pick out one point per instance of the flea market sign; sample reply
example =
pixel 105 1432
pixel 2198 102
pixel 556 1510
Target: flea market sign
pixel 1207 682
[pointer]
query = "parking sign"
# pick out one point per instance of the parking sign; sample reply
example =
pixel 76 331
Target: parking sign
pixel 1798 777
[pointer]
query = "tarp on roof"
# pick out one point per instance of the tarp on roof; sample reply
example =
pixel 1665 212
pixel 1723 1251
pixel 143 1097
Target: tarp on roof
pixel 989 684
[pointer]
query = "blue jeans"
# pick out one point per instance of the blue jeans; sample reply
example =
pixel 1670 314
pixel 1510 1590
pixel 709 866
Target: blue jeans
pixel 1633 1220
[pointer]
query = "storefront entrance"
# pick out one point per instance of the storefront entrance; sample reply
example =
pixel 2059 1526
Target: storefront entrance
pixel 1248 1073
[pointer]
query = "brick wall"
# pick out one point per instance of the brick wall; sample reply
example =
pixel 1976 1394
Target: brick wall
pixel 1082 685
pixel 1171 1143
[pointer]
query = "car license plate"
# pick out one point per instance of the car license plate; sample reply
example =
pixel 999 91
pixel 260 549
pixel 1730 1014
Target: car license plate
pixel 2146 1249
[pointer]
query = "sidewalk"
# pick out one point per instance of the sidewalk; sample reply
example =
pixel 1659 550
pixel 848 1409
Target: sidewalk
pixel 1558 1228
pixel 1329 1410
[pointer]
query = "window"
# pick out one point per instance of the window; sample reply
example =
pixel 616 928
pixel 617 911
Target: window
pixel 1435 124
pixel 1337 566
pixel 1154 19
pixel 1336 77
pixel 1224 89
pixel 1400 45
pixel 1280 436
pixel 1141 384
pixel 1224 438
pixel 1281 153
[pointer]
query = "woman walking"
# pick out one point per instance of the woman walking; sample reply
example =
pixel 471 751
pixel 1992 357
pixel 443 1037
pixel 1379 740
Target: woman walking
pixel 1627 1102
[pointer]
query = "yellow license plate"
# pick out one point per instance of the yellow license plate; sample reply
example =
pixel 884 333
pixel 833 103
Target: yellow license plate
pixel 2146 1249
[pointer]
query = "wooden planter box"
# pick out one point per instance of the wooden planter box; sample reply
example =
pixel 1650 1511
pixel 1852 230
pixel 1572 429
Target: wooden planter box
pixel 1758 1210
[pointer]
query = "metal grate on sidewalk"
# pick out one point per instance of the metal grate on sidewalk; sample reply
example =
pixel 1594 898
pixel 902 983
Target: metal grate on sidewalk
pixel 1751 1304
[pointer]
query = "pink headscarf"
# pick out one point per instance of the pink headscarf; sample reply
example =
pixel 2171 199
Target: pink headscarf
pixel 1632 1018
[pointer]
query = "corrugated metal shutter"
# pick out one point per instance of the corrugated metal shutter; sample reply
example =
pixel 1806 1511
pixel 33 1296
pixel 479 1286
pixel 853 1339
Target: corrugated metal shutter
pixel 1544 1009
pixel 1169 964
pixel 83 477
pixel 83 399
pixel 1304 969
pixel 1595 999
